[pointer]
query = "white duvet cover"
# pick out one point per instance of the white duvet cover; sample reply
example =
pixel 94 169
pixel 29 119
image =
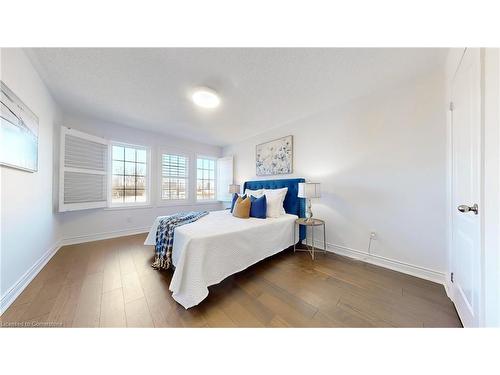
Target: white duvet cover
pixel 218 245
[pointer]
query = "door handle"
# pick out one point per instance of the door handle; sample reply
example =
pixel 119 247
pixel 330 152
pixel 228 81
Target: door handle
pixel 464 208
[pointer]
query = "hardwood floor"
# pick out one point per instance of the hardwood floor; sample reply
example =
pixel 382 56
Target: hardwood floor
pixel 111 283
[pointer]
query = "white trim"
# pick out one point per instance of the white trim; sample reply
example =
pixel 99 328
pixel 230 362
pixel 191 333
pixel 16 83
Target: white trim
pixel 174 203
pixel 103 235
pixel 207 201
pixel 81 170
pixel 392 264
pixel 83 206
pixel 88 137
pixel 124 206
pixel 491 189
pixel 14 291
pixel 62 150
pixel 130 207
pixel 210 157
pixel 188 204
pixel 449 184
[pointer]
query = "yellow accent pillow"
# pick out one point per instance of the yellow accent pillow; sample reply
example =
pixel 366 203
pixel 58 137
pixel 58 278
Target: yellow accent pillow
pixel 242 208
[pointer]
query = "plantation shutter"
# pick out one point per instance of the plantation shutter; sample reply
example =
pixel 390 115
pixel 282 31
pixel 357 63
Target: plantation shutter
pixel 224 178
pixel 83 178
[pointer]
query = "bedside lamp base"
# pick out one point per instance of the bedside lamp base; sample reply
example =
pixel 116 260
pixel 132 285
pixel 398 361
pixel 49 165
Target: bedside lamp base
pixel 309 214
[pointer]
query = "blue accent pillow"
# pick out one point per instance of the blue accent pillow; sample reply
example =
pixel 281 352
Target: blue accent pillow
pixel 235 198
pixel 258 207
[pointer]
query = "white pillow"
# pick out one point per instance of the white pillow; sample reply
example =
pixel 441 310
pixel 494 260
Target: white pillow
pixel 274 205
pixel 275 199
pixel 256 193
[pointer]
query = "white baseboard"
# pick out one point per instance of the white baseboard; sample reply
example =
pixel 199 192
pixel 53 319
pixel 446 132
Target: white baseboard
pixel 10 296
pixel 378 260
pixel 103 236
pixel 448 286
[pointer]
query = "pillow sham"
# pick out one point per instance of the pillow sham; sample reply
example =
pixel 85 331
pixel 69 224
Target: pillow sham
pixel 242 208
pixel 277 196
pixel 273 205
pixel 258 207
pixel 235 197
pixel 256 193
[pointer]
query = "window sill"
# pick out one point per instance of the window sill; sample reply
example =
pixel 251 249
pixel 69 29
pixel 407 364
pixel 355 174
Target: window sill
pixel 131 207
pixel 208 202
pixel 164 203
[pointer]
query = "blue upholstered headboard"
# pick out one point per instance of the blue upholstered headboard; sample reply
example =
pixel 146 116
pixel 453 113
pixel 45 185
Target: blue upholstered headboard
pixel 292 204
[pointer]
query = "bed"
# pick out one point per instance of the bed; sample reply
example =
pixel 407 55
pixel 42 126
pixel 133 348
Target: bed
pixel 218 245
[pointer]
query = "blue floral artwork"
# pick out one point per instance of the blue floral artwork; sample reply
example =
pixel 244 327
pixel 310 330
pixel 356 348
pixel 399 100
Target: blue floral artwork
pixel 274 157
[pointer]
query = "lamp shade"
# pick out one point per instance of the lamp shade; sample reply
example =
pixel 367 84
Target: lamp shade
pixel 233 188
pixel 309 190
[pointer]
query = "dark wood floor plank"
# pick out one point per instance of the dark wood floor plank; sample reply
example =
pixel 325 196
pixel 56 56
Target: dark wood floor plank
pixel 88 310
pixel 112 309
pixel 160 308
pixel 64 309
pixel 138 314
pixel 216 317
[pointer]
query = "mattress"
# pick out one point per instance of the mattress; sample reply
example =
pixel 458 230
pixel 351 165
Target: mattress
pixel 218 245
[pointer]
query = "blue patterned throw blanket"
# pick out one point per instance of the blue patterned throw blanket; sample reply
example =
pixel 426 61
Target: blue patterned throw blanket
pixel 165 236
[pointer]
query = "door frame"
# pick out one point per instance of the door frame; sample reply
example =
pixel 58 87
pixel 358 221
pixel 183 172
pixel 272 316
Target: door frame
pixel 491 187
pixel 454 61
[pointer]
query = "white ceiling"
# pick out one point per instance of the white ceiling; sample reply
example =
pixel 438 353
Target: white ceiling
pixel 260 88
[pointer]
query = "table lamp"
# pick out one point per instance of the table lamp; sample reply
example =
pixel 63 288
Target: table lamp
pixel 309 190
pixel 234 189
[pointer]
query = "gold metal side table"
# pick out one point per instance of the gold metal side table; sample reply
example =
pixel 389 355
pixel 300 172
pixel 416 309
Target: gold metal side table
pixel 311 223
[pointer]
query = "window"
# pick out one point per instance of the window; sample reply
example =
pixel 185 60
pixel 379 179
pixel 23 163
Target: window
pixel 205 179
pixel 129 181
pixel 174 177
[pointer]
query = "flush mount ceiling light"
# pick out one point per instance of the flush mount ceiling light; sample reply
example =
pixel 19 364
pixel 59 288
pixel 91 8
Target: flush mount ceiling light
pixel 205 97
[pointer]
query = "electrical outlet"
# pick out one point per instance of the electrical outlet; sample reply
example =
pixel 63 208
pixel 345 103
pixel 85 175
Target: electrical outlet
pixel 373 235
pixel 129 219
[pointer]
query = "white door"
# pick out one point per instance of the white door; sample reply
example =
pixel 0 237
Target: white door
pixel 466 222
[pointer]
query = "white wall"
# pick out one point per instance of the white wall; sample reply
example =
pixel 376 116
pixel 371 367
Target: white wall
pixel 100 223
pixel 381 161
pixel 29 227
